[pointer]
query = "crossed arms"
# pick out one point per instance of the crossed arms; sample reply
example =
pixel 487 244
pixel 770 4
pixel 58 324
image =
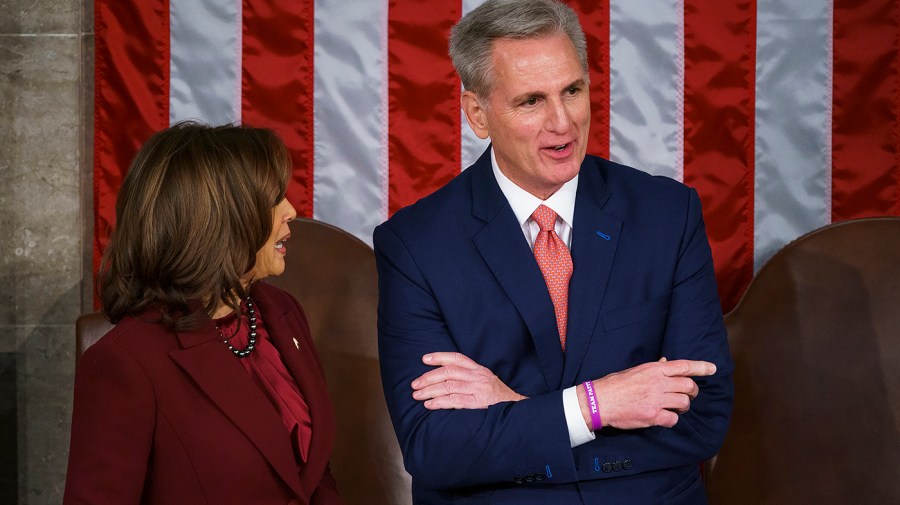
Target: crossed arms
pixel 463 424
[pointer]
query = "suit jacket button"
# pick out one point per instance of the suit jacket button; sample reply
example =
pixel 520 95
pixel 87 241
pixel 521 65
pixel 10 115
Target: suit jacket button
pixel 538 476
pixel 617 466
pixel 518 480
pixel 626 464
pixel 607 467
pixel 529 478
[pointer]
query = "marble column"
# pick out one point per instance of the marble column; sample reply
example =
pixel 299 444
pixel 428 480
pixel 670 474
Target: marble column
pixel 46 80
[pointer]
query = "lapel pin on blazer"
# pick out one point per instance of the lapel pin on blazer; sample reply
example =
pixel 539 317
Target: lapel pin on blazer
pixel 602 235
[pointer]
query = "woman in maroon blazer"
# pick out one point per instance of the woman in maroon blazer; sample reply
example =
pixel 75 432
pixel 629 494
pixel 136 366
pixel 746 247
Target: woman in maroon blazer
pixel 208 389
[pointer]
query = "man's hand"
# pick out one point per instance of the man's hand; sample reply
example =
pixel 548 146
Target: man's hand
pixel 652 394
pixel 459 383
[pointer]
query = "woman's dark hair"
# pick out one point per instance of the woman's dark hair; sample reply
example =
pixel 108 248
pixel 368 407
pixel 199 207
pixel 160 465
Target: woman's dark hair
pixel 195 207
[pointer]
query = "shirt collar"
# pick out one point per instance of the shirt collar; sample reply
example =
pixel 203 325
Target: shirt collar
pixel 524 203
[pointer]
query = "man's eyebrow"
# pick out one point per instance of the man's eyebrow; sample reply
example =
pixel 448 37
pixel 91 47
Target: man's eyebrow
pixel 521 97
pixel 577 83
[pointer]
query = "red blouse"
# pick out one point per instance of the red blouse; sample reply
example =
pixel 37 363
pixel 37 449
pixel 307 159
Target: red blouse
pixel 267 370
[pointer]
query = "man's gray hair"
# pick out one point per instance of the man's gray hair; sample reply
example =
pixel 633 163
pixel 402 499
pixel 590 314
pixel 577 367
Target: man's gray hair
pixel 471 39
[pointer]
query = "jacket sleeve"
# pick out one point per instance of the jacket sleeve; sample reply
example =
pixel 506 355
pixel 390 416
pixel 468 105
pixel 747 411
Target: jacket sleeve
pixel 511 441
pixel 694 330
pixel 112 428
pixel 446 449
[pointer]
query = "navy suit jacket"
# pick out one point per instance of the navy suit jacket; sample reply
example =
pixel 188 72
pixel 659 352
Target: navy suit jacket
pixel 457 274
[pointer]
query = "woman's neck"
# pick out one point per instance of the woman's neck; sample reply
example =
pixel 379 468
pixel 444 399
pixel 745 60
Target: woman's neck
pixel 223 309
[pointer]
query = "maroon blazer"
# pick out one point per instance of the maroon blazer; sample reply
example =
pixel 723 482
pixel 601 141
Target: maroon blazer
pixel 166 418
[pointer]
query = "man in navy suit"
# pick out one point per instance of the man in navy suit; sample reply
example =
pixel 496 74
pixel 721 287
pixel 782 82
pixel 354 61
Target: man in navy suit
pixel 549 324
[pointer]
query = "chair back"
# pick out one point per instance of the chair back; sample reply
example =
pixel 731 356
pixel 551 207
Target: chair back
pixel 88 330
pixel 332 274
pixel 816 344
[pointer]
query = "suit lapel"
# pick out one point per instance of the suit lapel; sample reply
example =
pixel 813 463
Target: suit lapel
pixel 594 241
pixel 220 375
pixel 301 363
pixel 506 252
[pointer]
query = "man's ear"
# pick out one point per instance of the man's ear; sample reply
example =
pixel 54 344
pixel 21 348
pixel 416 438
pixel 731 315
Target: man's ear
pixel 475 114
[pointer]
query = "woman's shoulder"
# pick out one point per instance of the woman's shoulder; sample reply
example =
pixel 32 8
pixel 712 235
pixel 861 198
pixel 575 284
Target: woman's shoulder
pixel 135 343
pixel 137 334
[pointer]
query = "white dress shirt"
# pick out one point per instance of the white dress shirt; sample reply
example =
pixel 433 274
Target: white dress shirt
pixel 562 202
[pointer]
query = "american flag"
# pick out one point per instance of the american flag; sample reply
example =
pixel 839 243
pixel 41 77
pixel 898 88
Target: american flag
pixel 782 113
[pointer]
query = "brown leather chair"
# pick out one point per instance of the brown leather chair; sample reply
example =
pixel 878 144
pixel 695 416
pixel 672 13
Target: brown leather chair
pixel 88 330
pixel 816 343
pixel 332 274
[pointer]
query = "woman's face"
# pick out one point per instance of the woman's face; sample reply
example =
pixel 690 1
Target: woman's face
pixel 270 259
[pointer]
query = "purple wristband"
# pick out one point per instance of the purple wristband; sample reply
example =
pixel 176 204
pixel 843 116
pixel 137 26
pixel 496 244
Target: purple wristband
pixel 593 406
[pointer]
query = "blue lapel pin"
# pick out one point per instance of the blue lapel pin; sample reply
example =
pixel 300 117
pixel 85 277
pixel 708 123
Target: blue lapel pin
pixel 603 235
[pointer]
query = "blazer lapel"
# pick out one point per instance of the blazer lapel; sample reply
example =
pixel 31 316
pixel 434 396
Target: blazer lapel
pixel 219 374
pixel 506 252
pixel 594 241
pixel 302 364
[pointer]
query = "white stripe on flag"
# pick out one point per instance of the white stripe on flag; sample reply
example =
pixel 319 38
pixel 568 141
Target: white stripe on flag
pixel 647 85
pixel 350 116
pixel 205 61
pixel 471 146
pixel 793 122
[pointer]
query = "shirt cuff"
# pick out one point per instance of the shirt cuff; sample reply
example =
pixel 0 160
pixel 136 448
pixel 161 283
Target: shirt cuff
pixel 578 430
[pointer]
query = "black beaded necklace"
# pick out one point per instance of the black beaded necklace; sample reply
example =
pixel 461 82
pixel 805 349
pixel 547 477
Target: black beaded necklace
pixel 251 342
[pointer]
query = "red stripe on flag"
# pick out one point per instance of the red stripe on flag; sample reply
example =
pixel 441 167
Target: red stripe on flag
pixel 594 17
pixel 865 159
pixel 131 96
pixel 896 211
pixel 277 83
pixel 719 84
pixel 423 100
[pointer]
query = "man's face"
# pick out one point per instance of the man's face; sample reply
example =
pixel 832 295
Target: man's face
pixel 538 113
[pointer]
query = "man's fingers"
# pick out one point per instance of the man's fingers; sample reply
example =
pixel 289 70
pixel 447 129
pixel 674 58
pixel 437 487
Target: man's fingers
pixel 449 358
pixel 666 419
pixel 445 388
pixel 650 394
pixel 444 373
pixel 429 378
pixel 677 402
pixel 687 368
pixel 694 390
pixel 454 401
pixel 683 385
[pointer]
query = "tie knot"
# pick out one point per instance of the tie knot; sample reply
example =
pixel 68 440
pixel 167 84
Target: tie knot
pixel 544 217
